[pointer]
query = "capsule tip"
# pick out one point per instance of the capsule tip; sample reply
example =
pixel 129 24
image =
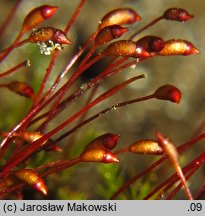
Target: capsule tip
pixel 109 157
pixel 61 38
pixel 48 11
pixel 175 96
pixel 194 51
pixel 55 148
pixel 40 186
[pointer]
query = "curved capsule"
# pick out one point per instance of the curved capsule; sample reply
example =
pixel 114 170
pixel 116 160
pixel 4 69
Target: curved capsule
pixel 45 34
pixel 126 48
pixel 31 178
pixel 177 14
pixel 151 43
pixel 98 155
pixel 109 33
pixel 119 16
pixel 178 47
pixel 146 147
pixel 168 92
pixel 37 16
pixel 21 88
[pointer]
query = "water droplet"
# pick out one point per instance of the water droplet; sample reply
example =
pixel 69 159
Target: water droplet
pixel 48 47
pixel 133 66
pixel 28 63
pixel 162 195
pixel 114 108
pixel 83 87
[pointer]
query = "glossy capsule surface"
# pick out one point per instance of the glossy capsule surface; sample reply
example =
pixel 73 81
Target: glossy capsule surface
pixel 32 179
pixel 168 92
pixel 37 16
pixel 126 48
pixel 178 47
pixel 98 155
pixel 119 16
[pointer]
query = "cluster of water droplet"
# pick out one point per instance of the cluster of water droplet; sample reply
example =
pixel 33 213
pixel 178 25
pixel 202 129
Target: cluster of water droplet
pixel 48 47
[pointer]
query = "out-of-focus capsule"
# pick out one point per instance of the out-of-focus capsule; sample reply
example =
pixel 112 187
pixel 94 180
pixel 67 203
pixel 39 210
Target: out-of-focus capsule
pixel 119 16
pixel 21 88
pixel 126 48
pixel 109 33
pixel 177 14
pixel 178 47
pixel 146 147
pixel 33 136
pixel 54 148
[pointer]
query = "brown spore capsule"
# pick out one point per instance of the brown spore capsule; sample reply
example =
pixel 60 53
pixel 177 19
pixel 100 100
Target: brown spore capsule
pixel 168 92
pixel 146 147
pixel 151 43
pixel 108 140
pixel 33 136
pixel 126 48
pixel 98 155
pixel 178 47
pixel 60 37
pixel 177 14
pixel 109 33
pixel 31 178
pixel 119 16
pixel 44 34
pixel 37 16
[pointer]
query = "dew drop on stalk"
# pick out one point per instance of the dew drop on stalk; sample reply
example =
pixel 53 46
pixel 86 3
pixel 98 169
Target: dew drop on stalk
pixel 83 87
pixel 133 66
pixel 28 63
pixel 114 108
pixel 162 195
